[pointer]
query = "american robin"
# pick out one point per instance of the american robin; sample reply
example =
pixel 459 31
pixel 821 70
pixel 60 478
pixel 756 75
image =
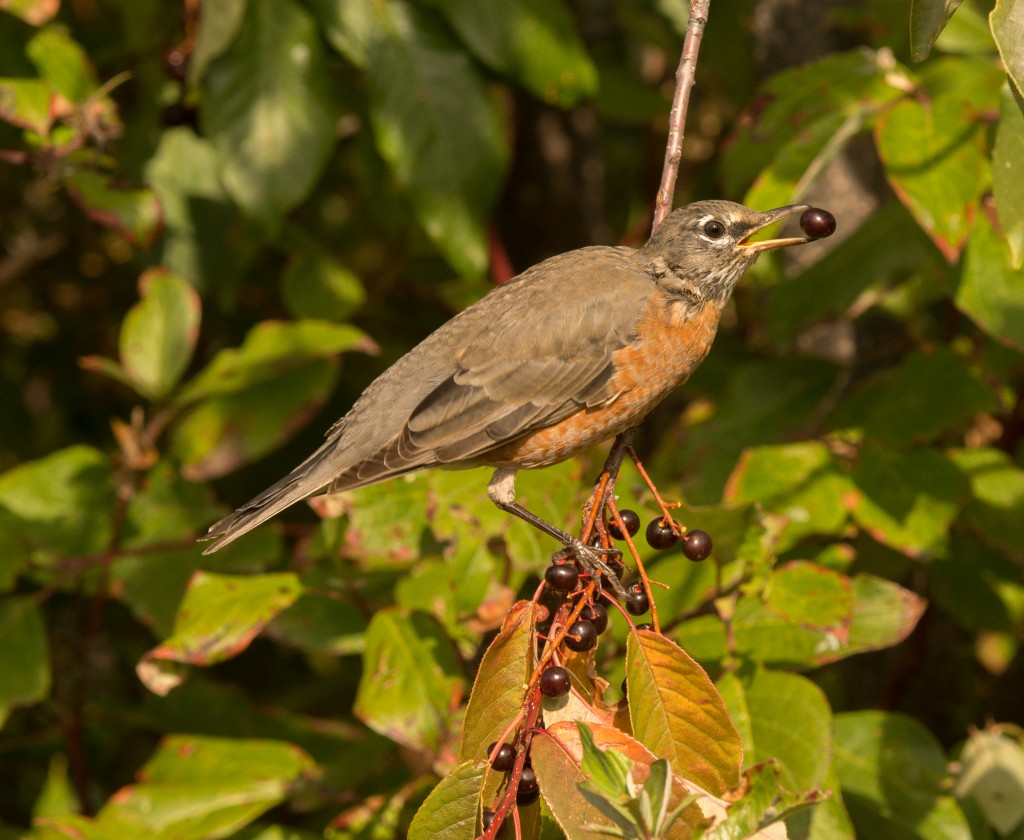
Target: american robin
pixel 569 353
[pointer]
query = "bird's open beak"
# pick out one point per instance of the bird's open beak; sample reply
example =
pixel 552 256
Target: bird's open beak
pixel 770 218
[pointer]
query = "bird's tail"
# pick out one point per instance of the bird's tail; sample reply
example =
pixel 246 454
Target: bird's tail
pixel 311 475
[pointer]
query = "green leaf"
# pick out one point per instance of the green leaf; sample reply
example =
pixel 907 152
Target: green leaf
pixel 893 774
pixel 907 498
pixel 159 333
pixel 532 41
pixel 783 717
pixel 450 812
pixel 933 392
pixel 997 487
pixel 198 213
pixel 269 111
pixel 1008 176
pixel 992 774
pixel 196 787
pixel 990 291
pixel 935 158
pixel 58 795
pixel 27 103
pixel 58 505
pixel 411 680
pixel 218 618
pixel 63 63
pixel 927 19
pixel 676 711
pixel 134 212
pixel 498 691
pixel 24 654
pixel 33 12
pixel 218 27
pixel 765 801
pixel 800 484
pixel 272 349
pixel 315 285
pixel 608 769
pixel 882 615
pixel 1007 22
pixel 438 129
pixel 348 26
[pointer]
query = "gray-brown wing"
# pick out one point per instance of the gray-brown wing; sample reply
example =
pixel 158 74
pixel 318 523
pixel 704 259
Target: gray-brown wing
pixel 524 360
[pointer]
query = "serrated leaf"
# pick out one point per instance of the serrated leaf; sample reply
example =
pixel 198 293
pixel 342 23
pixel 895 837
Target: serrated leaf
pixel 894 775
pixel 1007 22
pixel 1008 176
pixel 411 680
pixel 532 41
pixel 196 787
pixel 438 130
pixel 159 333
pixel 676 711
pixel 927 20
pixel 134 212
pixel 450 811
pixel 935 161
pixel 504 671
pixel 218 618
pixel 24 654
pixel 269 111
pixel 783 717
pixel 990 290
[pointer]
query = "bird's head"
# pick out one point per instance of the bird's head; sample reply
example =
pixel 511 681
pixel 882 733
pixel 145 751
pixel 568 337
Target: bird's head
pixel 707 245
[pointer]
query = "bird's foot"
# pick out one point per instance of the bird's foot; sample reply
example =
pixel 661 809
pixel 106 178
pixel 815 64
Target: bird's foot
pixel 592 559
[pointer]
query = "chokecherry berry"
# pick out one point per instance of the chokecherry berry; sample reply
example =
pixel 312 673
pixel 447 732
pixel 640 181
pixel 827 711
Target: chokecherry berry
pixel 697 545
pixel 555 682
pixel 487 819
pixel 645 626
pixel 581 636
pixel 504 758
pixel 597 615
pixel 563 577
pixel 636 601
pixel 661 534
pixel 528 789
pixel 817 223
pixel 630 520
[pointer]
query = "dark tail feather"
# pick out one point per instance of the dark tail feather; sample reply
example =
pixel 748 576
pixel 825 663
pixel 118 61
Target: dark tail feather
pixel 312 475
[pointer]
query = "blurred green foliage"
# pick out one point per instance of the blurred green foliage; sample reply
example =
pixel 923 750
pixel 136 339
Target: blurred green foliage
pixel 220 220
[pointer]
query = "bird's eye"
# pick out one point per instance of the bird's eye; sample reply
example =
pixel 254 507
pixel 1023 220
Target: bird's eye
pixel 714 229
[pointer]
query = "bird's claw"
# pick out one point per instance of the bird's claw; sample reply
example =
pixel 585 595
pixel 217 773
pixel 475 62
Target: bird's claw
pixel 592 559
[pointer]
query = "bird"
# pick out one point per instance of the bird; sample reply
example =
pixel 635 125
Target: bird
pixel 569 353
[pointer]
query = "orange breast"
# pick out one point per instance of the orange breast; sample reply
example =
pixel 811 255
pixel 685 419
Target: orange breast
pixel 671 347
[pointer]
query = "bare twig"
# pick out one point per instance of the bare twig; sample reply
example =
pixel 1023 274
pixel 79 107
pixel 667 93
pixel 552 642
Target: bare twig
pixel 685 75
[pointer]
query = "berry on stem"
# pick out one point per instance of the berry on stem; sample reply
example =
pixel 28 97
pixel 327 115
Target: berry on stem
pixel 645 626
pixel 637 602
pixel 555 682
pixel 630 519
pixel 697 545
pixel 661 534
pixel 597 615
pixel 581 636
pixel 564 577
pixel 528 789
pixel 487 819
pixel 504 758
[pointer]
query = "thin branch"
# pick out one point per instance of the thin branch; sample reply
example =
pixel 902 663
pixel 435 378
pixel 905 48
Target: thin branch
pixel 685 75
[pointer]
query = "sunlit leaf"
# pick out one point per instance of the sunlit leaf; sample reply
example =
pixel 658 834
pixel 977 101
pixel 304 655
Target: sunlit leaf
pixel 411 679
pixel 35 12
pixel 134 212
pixel 218 618
pixel 677 713
pixel 27 103
pixel 63 63
pixel 1007 22
pixel 992 774
pixel 451 810
pixel 1008 176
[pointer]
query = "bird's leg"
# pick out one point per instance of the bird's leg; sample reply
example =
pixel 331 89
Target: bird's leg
pixel 502 491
